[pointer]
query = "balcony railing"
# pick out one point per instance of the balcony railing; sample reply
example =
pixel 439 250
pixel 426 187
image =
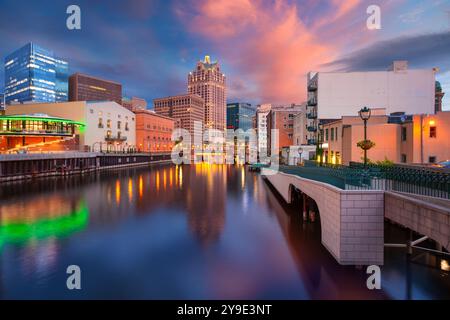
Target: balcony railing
pixel 311 129
pixel 312 102
pixel 312 141
pixel 311 115
pixel 312 86
pixel 115 138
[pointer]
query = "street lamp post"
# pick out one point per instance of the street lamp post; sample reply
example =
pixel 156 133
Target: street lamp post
pixel 364 114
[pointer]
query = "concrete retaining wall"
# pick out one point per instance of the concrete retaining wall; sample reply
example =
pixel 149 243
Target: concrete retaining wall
pixel 351 221
pixel 426 215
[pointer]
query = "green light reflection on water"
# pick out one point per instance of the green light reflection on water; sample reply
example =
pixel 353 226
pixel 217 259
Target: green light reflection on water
pixel 59 227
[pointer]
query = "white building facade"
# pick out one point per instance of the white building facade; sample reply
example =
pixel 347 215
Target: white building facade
pixel 109 125
pixel 300 127
pixel 262 112
pixel 332 95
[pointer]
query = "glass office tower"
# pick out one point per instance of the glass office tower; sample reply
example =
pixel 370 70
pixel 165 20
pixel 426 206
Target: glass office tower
pixel 34 74
pixel 2 102
pixel 239 116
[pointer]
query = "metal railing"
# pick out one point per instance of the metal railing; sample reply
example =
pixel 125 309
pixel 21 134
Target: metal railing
pixel 420 181
pixel 311 115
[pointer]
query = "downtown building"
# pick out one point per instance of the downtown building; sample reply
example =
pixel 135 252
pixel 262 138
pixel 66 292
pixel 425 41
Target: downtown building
pixel 398 137
pixel 208 82
pixel 262 111
pixel 153 131
pixel 84 87
pixel 439 95
pixel 281 118
pixel 300 127
pixel 68 126
pixel 185 109
pixel 332 95
pixel 240 116
pixel 35 74
pixel 134 103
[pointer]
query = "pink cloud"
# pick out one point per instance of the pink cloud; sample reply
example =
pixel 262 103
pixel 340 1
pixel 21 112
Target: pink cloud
pixel 267 46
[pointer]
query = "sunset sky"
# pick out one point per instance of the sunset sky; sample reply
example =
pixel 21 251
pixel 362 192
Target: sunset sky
pixel 265 47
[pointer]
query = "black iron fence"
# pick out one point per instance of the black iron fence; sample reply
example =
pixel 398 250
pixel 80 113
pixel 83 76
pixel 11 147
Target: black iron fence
pixel 426 181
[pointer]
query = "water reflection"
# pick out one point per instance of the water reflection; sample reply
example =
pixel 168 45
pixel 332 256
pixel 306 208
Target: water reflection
pixel 42 218
pixel 200 231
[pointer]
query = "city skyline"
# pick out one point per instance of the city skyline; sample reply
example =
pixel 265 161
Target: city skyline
pixel 294 37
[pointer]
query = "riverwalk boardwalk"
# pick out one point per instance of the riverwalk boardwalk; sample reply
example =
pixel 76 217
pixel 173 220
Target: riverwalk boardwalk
pixel 352 212
pixel 34 165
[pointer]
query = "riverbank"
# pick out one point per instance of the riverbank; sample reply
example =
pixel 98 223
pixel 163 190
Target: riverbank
pixel 30 166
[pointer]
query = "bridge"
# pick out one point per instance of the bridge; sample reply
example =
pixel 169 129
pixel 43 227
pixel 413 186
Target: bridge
pixel 352 203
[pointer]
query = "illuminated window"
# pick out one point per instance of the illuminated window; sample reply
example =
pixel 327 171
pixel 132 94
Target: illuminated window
pixel 100 122
pixel 432 132
pixel 108 124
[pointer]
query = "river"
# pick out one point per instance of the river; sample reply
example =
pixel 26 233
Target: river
pixel 186 232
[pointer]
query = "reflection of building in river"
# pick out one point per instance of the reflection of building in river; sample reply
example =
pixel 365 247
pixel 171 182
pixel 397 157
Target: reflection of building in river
pixel 323 279
pixel 202 189
pixel 135 190
pixel 36 224
pixel 205 200
pixel 45 217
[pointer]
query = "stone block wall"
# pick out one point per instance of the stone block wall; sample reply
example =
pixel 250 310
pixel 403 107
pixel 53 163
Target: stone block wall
pixel 426 215
pixel 351 221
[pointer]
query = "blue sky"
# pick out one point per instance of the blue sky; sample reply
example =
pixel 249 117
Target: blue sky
pixel 265 47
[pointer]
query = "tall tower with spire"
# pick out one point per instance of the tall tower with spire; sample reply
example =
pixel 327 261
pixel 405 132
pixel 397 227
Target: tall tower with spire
pixel 208 82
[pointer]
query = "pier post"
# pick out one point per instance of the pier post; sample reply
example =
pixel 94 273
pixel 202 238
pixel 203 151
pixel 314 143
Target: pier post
pixel 305 212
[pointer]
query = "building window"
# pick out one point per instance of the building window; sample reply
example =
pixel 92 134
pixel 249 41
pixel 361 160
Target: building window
pixel 100 122
pixel 326 134
pixel 119 124
pixel 403 134
pixel 108 134
pixel 403 160
pixel 332 134
pixel 336 133
pixel 108 124
pixel 432 159
pixel 432 132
